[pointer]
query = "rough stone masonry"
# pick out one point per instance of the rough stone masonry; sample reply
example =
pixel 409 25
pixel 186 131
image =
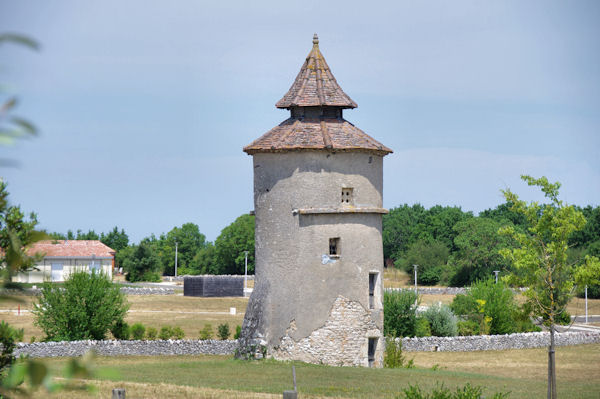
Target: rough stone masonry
pixel 318 183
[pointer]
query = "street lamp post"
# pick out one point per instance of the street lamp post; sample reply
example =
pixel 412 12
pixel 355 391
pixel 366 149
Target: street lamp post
pixel 496 273
pixel 586 310
pixel 245 271
pixel 416 290
pixel 175 258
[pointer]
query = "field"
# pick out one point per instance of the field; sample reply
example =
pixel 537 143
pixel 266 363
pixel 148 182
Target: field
pixel 522 372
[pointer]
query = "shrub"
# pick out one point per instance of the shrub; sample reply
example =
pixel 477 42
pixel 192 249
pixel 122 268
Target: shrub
pixel 121 330
pixel 138 331
pixel 399 313
pixel 393 357
pixel 467 327
pixel 178 333
pixel 422 328
pixel 87 306
pixel 487 300
pixel 441 392
pixel 8 338
pixel 166 332
pixel 206 332
pixel 151 333
pixel 431 258
pixel 223 331
pixel 441 320
pixel 238 332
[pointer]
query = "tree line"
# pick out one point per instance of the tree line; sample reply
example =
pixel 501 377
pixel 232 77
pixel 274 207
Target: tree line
pixel 155 256
pixel 454 247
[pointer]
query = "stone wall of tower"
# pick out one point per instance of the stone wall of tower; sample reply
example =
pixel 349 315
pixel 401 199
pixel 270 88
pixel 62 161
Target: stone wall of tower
pixel 301 308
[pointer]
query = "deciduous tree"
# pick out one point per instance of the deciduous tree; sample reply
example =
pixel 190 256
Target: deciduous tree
pixel 540 259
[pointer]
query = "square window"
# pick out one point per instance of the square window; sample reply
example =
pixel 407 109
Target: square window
pixel 334 246
pixel 347 198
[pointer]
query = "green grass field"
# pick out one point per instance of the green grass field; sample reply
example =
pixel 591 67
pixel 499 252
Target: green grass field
pixel 522 372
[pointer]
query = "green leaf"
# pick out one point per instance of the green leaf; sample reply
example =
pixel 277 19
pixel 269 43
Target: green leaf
pixel 19 39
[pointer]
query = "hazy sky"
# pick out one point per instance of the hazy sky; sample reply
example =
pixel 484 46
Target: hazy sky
pixel 144 106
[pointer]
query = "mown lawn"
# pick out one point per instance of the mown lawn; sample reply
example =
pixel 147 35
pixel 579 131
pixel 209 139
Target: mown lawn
pixel 522 372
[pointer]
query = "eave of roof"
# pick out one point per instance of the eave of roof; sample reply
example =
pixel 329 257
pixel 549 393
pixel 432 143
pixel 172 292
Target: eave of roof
pixel 329 134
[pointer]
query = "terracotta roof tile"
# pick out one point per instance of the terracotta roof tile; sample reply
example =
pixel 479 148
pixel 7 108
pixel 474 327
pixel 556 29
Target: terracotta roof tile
pixel 71 248
pixel 315 85
pixel 317 134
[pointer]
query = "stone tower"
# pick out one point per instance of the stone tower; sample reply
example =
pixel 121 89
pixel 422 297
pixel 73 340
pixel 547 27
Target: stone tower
pixel 318 183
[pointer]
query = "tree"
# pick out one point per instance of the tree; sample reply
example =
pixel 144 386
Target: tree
pixel 231 244
pixel 140 262
pixel 115 239
pixel 400 313
pixel 204 261
pixel 87 307
pixel 431 258
pixel 540 258
pixel 477 255
pixel 189 242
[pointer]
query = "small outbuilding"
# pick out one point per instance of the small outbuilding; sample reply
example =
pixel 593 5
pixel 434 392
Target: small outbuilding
pixel 63 257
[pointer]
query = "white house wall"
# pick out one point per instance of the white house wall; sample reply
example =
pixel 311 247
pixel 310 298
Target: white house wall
pixel 43 269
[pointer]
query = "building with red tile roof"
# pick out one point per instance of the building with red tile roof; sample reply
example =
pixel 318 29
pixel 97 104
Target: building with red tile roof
pixel 62 257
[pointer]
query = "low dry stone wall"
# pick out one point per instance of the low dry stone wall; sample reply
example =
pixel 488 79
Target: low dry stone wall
pixel 496 342
pixel 125 290
pixel 123 348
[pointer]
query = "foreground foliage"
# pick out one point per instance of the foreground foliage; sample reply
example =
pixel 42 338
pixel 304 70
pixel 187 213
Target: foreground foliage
pixel 86 307
pixel 441 392
pixel 399 313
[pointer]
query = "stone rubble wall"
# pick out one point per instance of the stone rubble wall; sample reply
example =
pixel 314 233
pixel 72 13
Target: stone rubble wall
pixel 497 342
pixel 441 290
pixel 127 348
pixel 214 347
pixel 125 290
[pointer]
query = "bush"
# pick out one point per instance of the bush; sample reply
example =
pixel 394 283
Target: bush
pixel 178 333
pixel 223 331
pixel 87 306
pixel 206 332
pixel 487 300
pixel 441 320
pixel 467 327
pixel 238 332
pixel 399 313
pixel 393 357
pixel 8 338
pixel 138 331
pixel 166 332
pixel 121 330
pixel 151 333
pixel 441 392
pixel 422 328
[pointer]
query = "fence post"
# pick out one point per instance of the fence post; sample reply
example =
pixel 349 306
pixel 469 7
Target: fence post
pixel 118 393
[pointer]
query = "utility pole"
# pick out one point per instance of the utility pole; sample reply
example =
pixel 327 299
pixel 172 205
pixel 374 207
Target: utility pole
pixel 416 290
pixel 586 314
pixel 245 271
pixel 496 273
pixel 175 258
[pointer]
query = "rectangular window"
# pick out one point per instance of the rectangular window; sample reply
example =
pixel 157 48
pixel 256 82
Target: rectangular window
pixel 372 281
pixel 334 246
pixel 371 354
pixel 347 198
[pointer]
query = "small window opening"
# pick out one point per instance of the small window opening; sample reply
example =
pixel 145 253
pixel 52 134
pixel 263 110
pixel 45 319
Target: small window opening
pixel 371 354
pixel 347 196
pixel 334 246
pixel 372 281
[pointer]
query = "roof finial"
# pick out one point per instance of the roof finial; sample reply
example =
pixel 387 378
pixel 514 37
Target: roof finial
pixel 315 40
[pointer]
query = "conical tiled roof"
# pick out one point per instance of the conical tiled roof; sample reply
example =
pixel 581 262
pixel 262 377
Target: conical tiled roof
pixel 315 85
pixel 316 122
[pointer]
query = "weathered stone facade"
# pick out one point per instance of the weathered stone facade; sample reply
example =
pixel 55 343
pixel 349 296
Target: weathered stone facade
pixel 318 183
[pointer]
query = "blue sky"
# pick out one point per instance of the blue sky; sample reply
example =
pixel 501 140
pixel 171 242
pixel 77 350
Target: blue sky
pixel 144 106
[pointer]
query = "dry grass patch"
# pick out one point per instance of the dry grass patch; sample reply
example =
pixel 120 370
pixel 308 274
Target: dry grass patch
pixel 573 362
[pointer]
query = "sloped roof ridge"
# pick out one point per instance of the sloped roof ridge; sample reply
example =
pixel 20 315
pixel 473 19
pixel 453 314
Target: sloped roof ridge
pixel 315 85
